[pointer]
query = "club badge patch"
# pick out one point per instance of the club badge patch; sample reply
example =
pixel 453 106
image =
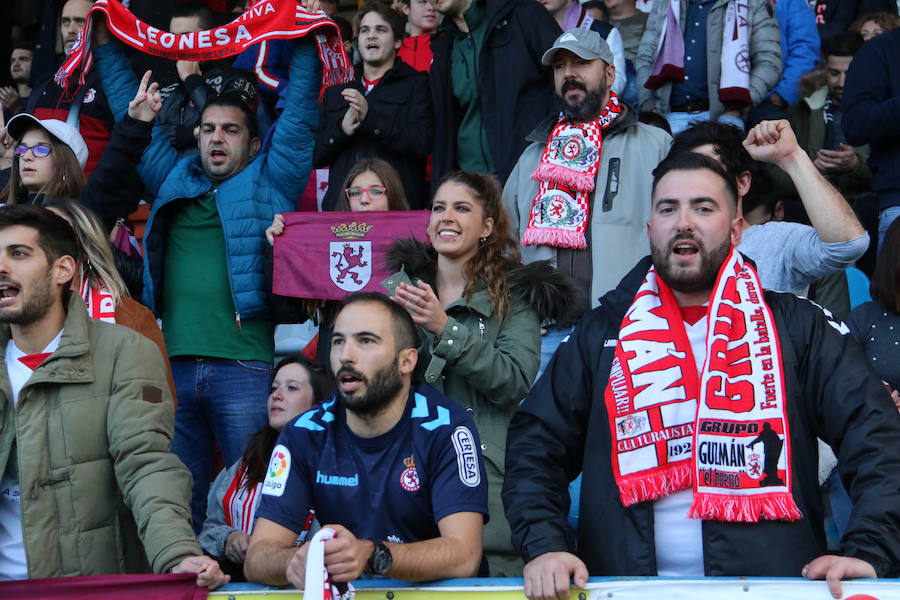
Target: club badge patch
pixel 409 478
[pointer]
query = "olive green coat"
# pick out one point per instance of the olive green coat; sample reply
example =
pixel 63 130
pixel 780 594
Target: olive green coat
pixel 486 365
pixel 93 428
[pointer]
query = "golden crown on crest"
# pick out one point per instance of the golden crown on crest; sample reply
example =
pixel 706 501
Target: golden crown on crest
pixel 351 231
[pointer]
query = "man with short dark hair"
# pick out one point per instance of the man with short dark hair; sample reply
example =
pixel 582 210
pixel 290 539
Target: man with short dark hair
pixel 393 467
pixel 592 231
pixel 14 98
pixel 384 113
pixel 204 267
pixel 659 395
pixel 817 119
pixel 85 426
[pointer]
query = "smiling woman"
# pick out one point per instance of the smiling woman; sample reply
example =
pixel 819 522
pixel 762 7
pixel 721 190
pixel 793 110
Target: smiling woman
pixel 478 311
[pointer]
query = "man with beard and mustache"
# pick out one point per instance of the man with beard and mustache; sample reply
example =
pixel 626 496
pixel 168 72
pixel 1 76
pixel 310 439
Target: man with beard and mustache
pixel 656 395
pixel 393 467
pixel 85 426
pixel 594 229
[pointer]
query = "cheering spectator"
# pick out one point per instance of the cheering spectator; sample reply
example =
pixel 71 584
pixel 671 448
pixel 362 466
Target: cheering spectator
pixel 788 256
pixel 478 311
pixel 873 24
pixel 13 99
pixel 488 86
pixel 204 267
pixel 84 105
pixel 604 220
pixel 697 73
pixel 394 468
pixel 99 283
pixel 184 100
pixel 872 116
pixel 385 113
pixel 714 506
pixel 422 21
pixel 816 121
pixel 90 400
pixel 876 324
pixel 570 14
pixel 799 54
pixel 298 385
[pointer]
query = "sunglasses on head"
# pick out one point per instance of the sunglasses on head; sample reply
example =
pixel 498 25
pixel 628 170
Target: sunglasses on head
pixel 374 191
pixel 38 150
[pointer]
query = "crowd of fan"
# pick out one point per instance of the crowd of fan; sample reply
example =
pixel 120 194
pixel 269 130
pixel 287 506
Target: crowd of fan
pixel 536 133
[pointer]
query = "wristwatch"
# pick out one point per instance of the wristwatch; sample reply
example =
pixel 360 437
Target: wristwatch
pixel 381 560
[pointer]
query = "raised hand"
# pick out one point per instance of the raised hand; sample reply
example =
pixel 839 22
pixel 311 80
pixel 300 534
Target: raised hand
pixel 772 142
pixel 147 100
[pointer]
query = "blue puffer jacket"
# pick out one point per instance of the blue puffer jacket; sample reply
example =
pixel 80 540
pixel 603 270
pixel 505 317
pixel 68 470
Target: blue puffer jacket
pixel 271 183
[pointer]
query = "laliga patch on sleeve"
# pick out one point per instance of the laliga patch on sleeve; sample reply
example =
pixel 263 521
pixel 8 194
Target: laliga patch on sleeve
pixel 466 456
pixel 151 394
pixel 279 467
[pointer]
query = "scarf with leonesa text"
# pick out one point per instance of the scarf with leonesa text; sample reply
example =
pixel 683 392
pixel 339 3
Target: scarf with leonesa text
pixel 724 431
pixel 263 20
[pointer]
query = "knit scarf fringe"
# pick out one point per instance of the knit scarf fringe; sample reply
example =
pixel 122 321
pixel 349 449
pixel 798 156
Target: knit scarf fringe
pixel 745 509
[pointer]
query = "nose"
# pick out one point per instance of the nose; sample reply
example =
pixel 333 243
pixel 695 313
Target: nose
pixel 685 221
pixel 841 79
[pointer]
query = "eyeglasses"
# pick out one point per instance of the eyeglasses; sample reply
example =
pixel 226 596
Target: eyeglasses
pixel 374 191
pixel 38 150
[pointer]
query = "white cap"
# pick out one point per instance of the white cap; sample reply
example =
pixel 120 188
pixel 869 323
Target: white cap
pixel 67 134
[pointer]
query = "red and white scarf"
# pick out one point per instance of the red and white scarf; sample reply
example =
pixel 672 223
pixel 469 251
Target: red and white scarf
pixel 241 501
pixel 734 79
pixel 567 174
pixel 263 20
pixel 672 429
pixel 100 303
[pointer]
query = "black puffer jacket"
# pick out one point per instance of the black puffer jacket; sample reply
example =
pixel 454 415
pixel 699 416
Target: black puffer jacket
pixel 514 89
pixel 398 128
pixel 561 429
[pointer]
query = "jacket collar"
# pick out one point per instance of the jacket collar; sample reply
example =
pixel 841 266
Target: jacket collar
pixel 541 133
pixel 816 100
pixel 71 362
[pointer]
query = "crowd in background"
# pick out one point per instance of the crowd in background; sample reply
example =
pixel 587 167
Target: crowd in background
pixel 453 108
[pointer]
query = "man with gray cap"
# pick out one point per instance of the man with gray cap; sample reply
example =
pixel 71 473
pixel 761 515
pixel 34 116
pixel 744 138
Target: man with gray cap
pixel 578 194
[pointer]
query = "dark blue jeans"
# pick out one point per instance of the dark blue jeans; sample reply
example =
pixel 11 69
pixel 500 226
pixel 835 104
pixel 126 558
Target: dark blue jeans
pixel 219 400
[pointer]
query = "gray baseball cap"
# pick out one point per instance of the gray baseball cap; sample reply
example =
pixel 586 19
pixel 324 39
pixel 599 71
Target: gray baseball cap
pixel 585 43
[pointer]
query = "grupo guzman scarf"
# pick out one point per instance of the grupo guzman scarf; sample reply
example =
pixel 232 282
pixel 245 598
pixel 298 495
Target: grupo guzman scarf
pixel 734 79
pixel 723 432
pixel 566 175
pixel 263 20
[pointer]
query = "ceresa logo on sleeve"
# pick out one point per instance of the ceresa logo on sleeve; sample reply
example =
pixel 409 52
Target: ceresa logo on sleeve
pixel 279 467
pixel 466 456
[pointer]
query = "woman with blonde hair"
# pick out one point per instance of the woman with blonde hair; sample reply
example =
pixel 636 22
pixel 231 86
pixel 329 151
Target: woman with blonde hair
pixel 99 283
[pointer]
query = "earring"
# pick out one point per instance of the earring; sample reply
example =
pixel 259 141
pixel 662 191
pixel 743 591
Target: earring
pixel 64 177
pixel 483 240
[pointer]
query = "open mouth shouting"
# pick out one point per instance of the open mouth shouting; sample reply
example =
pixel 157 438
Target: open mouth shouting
pixel 685 248
pixel 8 293
pixel 350 380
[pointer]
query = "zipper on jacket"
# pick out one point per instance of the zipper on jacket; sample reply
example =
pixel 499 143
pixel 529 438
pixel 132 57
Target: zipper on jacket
pixel 481 327
pixel 237 320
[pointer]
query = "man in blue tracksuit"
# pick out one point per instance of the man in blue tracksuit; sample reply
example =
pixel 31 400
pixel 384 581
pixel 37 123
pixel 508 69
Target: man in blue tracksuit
pixel 204 254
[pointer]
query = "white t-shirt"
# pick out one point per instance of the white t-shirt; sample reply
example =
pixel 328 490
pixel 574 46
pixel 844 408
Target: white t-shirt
pixel 12 549
pixel 678 539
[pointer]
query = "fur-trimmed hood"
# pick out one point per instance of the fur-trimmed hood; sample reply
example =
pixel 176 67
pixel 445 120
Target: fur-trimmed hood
pixel 546 289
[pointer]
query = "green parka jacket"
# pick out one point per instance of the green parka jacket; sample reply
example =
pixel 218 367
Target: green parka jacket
pixel 485 365
pixel 100 490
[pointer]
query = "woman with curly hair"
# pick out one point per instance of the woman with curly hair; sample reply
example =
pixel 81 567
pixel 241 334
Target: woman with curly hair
pixel 479 311
pixel 872 24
